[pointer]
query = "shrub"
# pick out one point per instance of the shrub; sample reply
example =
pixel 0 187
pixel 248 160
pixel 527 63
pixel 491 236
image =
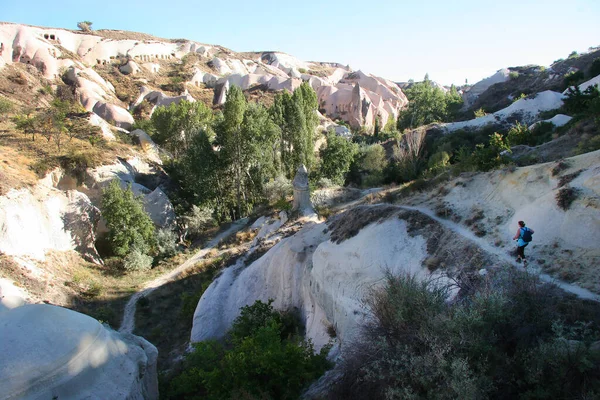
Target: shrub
pixel 198 219
pixel 513 74
pixel 588 144
pixel 6 107
pixel 166 243
pixel 136 260
pixel 480 113
pixel 560 166
pixel 128 224
pixel 518 134
pixel 565 179
pixel 337 157
pixel 566 196
pixel 277 189
pixel 502 340
pixel 263 357
pixel 573 78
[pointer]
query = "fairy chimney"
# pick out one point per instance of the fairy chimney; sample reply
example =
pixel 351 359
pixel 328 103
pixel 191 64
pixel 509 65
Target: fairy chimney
pixel 301 191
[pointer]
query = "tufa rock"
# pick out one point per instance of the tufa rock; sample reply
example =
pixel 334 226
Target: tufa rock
pixel 301 192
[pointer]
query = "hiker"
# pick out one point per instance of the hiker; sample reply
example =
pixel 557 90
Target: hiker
pixel 523 236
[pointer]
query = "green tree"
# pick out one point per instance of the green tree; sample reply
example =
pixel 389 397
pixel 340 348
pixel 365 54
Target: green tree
pixel 85 26
pixel 427 104
pixel 6 106
pixel 295 115
pixel 130 228
pixel 175 125
pixel 337 157
pixel 263 358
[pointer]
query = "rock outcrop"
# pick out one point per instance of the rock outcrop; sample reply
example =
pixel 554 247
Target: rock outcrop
pixel 524 110
pixel 472 93
pixel 355 97
pixel 324 280
pixel 35 221
pixel 302 202
pixel 50 352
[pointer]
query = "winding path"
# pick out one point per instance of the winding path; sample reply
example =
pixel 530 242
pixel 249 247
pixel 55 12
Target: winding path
pixel 483 244
pixel 128 321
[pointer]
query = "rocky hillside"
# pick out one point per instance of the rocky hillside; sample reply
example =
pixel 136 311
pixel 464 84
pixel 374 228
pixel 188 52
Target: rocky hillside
pixel 449 220
pixel 96 62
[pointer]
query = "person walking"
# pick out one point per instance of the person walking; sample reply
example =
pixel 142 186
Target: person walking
pixel 523 237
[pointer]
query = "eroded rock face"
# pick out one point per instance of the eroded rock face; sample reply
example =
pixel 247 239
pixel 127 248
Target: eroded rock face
pixel 50 352
pixel 34 222
pixel 325 281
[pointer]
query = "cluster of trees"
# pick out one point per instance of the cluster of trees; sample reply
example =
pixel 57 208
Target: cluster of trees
pixel 428 103
pixel 224 160
pixel 131 233
pixel 64 119
pixel 263 357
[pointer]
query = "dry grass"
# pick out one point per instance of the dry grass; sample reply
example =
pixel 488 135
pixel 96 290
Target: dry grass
pixel 566 179
pixel 348 224
pixel 21 156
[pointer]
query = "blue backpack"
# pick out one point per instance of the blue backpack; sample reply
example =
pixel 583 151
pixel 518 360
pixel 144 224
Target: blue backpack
pixel 526 235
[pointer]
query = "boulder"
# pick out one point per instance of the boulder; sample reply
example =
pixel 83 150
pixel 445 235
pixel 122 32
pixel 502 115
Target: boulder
pixel 131 68
pixel 117 115
pixel 50 352
pixel 159 208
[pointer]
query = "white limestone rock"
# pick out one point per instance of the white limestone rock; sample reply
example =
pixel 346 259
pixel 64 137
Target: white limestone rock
pixel 159 208
pixel 148 146
pixel 51 352
pixel 131 68
pixel 325 281
pixel 526 110
pixel 35 221
pixel 557 120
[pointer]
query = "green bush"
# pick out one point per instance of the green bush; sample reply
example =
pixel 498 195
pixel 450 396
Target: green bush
pixel 6 107
pixel 277 189
pixel 135 260
pixel 128 224
pixel 166 243
pixel 513 74
pixel 573 78
pixel 511 338
pixel 336 158
pixel 263 357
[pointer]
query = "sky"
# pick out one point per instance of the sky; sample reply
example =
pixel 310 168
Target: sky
pixel 398 40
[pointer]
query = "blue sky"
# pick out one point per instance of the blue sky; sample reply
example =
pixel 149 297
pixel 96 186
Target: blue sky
pixel 399 40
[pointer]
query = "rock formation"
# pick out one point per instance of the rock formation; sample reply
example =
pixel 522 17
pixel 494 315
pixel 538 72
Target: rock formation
pixel 50 352
pixel 472 93
pixel 524 110
pixel 275 71
pixel 301 192
pixel 326 269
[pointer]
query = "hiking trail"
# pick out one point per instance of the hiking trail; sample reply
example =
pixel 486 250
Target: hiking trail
pixel 128 322
pixel 501 253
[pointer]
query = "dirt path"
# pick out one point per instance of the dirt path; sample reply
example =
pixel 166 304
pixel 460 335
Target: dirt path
pixel 128 321
pixel 501 253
